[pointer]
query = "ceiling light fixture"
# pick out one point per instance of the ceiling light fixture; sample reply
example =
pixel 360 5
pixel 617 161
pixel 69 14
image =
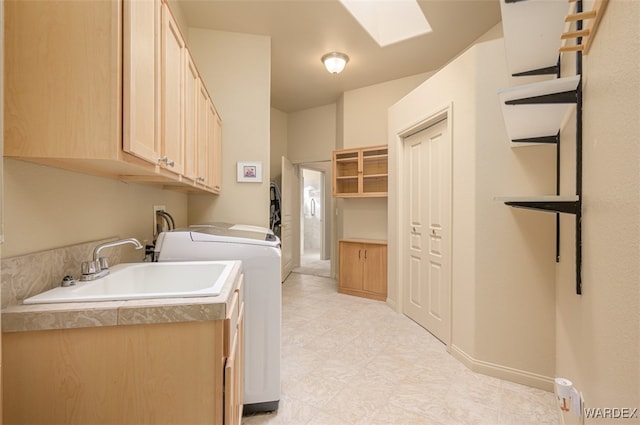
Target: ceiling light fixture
pixel 335 62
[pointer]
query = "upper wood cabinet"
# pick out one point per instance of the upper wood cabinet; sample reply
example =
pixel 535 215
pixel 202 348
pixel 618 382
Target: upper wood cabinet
pixel 63 82
pixel 173 91
pixel 214 148
pixel 101 87
pixel 361 172
pixel 191 90
pixel 140 73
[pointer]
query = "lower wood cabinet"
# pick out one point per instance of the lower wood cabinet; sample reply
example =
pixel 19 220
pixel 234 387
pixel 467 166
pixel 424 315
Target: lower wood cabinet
pixel 162 373
pixel 363 268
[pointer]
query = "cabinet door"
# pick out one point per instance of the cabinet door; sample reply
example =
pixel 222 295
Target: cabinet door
pixel 191 89
pixel 201 156
pixel 141 104
pixel 214 149
pixel 62 79
pixel 173 51
pixel 374 276
pixel 346 166
pixel 374 171
pixel 351 263
pixel 234 375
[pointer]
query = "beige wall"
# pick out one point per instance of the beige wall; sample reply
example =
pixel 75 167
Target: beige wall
pixel 279 139
pixel 502 260
pixel 47 207
pixel 236 69
pixel 598 332
pixel 312 134
pixel 365 110
pixel 364 123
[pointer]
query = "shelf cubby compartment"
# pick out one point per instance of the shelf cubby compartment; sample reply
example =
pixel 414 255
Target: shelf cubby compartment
pixel 375 184
pixel 346 164
pixel 532 31
pixel 568 204
pixel 535 113
pixel 346 185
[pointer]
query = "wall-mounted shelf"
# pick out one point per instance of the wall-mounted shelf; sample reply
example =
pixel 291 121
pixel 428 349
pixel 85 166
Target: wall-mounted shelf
pixel 535 34
pixel 532 31
pixel 534 113
pixel 361 172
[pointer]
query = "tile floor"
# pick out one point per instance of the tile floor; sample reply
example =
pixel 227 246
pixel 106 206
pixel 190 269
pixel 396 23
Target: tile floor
pixel 349 360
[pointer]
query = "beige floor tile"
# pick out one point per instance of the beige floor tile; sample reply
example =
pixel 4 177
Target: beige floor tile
pixel 352 361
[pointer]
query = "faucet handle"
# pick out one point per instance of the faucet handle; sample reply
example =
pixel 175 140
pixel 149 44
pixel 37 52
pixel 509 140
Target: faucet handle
pixel 103 263
pixel 90 267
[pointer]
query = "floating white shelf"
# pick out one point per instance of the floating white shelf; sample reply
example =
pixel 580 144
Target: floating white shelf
pixel 533 120
pixel 532 31
pixel 538 198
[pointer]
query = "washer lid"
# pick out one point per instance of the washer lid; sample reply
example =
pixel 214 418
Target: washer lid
pixel 219 234
pixel 235 226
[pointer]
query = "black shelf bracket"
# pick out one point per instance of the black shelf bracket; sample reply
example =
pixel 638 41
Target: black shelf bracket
pixel 567 207
pixel 562 97
pixel 549 70
pixel 543 139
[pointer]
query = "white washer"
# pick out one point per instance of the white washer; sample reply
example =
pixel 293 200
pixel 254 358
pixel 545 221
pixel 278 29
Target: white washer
pixel 259 250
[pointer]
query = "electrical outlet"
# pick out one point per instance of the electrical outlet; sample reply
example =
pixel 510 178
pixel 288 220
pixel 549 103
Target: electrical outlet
pixel 156 220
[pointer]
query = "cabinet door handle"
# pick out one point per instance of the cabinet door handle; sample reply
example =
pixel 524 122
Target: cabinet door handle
pixel 165 159
pixel 359 254
pixel 365 254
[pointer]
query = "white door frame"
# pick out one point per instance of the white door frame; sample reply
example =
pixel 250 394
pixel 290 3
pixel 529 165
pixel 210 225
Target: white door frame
pixel 396 273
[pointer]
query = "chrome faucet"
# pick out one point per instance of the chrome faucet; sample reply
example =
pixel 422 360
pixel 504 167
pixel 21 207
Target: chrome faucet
pixel 99 266
pixel 99 248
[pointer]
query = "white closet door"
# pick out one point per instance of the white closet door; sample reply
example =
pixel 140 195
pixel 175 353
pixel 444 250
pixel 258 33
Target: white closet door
pixel 427 223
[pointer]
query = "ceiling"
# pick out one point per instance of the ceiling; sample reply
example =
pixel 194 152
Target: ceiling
pixel 302 31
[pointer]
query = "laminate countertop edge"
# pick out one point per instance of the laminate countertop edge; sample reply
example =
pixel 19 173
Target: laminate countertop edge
pixel 39 317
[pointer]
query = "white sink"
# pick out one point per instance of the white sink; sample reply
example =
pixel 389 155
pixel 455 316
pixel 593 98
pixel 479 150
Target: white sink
pixel 133 281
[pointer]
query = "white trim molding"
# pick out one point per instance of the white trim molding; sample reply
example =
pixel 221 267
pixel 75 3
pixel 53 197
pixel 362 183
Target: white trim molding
pixel 502 372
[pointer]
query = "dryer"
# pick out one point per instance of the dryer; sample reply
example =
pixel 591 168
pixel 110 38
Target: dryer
pixel 259 250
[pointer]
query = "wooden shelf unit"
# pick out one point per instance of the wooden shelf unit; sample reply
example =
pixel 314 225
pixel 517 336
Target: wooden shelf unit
pixel 361 172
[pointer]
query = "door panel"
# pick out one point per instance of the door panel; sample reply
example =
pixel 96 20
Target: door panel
pixel 350 264
pixel 414 159
pixel 427 158
pixel 375 269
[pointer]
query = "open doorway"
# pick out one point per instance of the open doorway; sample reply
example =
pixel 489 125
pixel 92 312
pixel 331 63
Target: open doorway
pixel 315 242
pixel 311 226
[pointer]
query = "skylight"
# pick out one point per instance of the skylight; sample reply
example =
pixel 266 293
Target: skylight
pixel 389 21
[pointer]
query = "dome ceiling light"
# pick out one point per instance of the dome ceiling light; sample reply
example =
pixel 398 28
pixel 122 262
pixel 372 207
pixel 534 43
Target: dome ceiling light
pixel 335 62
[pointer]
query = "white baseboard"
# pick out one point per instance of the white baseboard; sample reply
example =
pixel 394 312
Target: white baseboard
pixel 503 372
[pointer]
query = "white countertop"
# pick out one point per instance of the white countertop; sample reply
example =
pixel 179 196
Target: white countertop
pixel 34 317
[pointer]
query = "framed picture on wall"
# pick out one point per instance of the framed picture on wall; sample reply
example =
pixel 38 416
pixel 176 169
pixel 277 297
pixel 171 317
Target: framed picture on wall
pixel 249 172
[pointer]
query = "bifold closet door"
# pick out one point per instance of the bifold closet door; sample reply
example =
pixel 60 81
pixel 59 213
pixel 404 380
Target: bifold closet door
pixel 427 224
